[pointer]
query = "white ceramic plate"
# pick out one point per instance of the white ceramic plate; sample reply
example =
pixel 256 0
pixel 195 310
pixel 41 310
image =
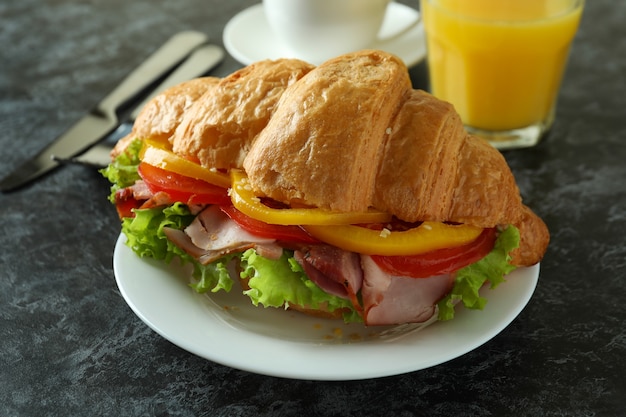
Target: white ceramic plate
pixel 248 37
pixel 227 329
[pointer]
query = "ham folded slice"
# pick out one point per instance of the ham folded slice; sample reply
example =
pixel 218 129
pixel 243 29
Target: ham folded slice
pixel 212 234
pixel 389 299
pixel 385 299
pixel 214 230
pixel 334 270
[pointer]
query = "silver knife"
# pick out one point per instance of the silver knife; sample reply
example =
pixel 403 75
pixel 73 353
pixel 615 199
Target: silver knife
pixel 202 60
pixel 103 119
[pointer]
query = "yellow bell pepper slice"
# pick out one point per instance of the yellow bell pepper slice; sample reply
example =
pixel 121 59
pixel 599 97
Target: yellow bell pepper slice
pixel 157 154
pixel 247 202
pixel 425 238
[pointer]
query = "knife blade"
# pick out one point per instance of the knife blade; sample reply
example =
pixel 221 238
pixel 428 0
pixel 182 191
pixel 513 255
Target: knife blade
pixel 104 117
pixel 201 61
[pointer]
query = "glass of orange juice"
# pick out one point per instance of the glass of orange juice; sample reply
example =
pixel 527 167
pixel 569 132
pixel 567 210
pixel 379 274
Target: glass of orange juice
pixel 500 63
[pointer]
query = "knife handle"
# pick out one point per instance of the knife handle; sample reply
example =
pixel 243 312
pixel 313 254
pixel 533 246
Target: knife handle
pixel 160 62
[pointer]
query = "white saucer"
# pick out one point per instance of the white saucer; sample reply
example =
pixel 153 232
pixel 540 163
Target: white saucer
pixel 248 37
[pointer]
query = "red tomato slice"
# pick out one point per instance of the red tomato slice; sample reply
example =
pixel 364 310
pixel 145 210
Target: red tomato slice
pixel 279 232
pixel 181 188
pixel 125 206
pixel 438 262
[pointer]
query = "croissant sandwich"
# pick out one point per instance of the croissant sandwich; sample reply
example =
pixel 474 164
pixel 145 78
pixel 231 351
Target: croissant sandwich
pixel 336 190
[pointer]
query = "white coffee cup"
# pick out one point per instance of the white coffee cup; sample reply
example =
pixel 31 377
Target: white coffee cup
pixel 316 30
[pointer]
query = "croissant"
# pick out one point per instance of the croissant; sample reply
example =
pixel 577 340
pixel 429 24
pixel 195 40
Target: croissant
pixel 214 120
pixel 220 126
pixel 160 117
pixel 349 135
pixel 354 135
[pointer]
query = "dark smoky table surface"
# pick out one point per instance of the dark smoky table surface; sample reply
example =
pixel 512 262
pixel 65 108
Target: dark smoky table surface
pixel 71 346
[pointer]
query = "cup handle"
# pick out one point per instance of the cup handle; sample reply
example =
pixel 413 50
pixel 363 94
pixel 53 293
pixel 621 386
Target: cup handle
pixel 402 31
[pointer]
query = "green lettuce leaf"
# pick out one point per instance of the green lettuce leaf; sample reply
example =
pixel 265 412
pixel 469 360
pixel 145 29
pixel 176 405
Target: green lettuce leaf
pixel 470 279
pixel 144 232
pixel 274 283
pixel 122 172
pixel 145 236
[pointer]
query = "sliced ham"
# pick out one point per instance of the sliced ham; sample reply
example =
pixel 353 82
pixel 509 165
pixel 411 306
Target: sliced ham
pixel 334 270
pixel 160 198
pixel 212 234
pixel 324 282
pixel 269 250
pixel 140 192
pixel 389 299
pixel 180 239
pixel 214 230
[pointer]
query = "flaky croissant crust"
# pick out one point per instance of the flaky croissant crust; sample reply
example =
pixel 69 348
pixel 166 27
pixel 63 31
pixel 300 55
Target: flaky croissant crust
pixel 348 135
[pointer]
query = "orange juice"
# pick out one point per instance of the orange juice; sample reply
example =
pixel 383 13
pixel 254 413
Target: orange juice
pixel 500 62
